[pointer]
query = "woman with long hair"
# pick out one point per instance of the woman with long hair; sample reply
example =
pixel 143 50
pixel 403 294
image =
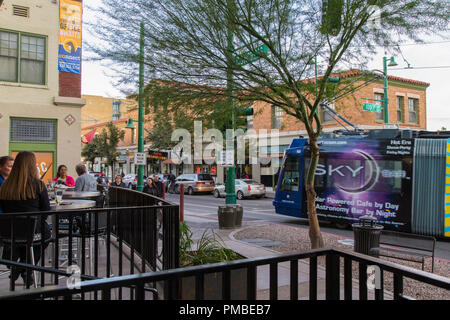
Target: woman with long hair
pixel 23 191
pixel 63 178
pixel 150 187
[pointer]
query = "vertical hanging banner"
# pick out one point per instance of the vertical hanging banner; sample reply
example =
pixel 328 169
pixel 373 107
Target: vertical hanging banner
pixel 69 51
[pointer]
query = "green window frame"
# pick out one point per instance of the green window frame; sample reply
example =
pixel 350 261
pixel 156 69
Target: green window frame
pixel 277 117
pixel 400 108
pixel 379 116
pixel 413 110
pixel 24 55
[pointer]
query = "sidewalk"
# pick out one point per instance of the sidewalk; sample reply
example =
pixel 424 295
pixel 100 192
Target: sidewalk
pixel 253 250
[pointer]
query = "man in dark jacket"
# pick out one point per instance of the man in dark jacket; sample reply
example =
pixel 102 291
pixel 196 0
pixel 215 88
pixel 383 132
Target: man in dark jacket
pixel 159 186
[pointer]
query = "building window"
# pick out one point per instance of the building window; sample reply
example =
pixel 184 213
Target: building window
pixel 33 130
pixel 277 117
pixel 249 122
pixel 379 97
pixel 413 107
pixel 116 114
pixel 400 106
pixel 28 57
pixel 327 116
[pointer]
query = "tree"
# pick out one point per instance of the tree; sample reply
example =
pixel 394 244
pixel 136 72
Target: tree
pixel 104 145
pixel 91 151
pixel 261 49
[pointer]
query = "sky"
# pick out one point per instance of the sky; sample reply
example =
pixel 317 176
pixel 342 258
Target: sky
pixel 430 63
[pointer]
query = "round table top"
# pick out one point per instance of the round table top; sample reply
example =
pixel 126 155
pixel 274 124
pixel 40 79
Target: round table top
pixel 80 194
pixel 73 204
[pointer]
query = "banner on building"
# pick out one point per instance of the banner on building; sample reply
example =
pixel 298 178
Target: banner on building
pixel 69 51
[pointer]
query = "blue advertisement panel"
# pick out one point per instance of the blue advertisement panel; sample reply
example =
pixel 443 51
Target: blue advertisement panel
pixel 358 177
pixel 69 49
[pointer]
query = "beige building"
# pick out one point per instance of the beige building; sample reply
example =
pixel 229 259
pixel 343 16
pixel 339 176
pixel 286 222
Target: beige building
pixel 40 107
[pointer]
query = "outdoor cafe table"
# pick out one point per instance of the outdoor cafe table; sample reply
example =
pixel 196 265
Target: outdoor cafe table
pixel 80 194
pixel 72 204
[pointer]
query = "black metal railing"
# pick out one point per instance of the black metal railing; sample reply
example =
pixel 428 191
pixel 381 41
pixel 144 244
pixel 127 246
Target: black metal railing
pixel 133 233
pixel 333 277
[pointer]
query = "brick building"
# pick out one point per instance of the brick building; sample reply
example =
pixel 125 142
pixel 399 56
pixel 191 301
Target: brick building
pixel 407 108
pixel 40 106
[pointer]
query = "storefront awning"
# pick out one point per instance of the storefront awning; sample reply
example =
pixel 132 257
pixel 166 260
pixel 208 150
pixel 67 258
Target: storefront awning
pixel 172 161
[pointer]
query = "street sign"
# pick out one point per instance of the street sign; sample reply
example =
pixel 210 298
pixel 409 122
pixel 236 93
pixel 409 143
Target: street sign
pixel 226 158
pixel 248 56
pixel 140 158
pixel 371 107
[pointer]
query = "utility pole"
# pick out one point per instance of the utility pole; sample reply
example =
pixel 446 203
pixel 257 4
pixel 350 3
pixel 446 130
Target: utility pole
pixel 140 182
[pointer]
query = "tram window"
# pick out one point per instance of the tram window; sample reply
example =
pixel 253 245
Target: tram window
pixel 290 181
pixel 319 178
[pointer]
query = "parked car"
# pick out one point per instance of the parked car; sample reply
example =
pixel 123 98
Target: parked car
pixel 244 188
pixel 195 182
pixel 130 180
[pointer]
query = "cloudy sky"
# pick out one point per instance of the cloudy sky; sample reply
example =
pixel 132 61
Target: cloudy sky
pixel 430 62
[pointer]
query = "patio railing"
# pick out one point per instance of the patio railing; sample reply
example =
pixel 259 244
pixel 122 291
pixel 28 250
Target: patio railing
pixel 335 259
pixel 133 233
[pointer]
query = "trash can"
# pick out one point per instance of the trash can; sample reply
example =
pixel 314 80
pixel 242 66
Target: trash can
pixel 227 217
pixel 367 235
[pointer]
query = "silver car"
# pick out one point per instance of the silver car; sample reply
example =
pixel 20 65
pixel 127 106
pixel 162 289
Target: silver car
pixel 195 182
pixel 245 188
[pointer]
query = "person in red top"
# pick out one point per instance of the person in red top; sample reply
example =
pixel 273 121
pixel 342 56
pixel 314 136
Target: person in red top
pixel 63 178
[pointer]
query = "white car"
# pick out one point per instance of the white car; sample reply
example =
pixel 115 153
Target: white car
pixel 244 188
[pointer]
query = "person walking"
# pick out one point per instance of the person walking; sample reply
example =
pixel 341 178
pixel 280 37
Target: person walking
pixel 158 186
pixel 6 164
pixel 85 182
pixel 150 187
pixel 118 182
pixel 171 183
pixel 63 178
pixel 23 191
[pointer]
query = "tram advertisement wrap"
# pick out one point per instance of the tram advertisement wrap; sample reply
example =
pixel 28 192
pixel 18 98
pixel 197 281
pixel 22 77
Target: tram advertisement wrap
pixel 356 178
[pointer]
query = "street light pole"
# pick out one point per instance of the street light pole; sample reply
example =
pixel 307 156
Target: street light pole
pixel 392 63
pixel 230 190
pixel 140 182
pixel 386 99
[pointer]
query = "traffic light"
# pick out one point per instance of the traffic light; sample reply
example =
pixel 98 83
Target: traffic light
pixel 332 16
pixel 241 115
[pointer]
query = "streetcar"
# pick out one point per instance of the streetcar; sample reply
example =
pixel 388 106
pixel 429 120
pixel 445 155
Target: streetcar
pixel 400 177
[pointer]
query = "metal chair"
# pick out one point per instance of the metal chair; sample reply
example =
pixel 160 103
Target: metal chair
pixel 20 232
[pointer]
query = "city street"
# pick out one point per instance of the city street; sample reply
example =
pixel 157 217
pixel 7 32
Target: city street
pixel 200 211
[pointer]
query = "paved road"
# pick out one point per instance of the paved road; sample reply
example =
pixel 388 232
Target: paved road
pixel 201 211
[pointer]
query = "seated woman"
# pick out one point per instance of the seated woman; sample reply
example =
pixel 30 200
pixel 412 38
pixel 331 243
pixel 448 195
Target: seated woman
pixel 63 178
pixel 24 192
pixel 118 182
